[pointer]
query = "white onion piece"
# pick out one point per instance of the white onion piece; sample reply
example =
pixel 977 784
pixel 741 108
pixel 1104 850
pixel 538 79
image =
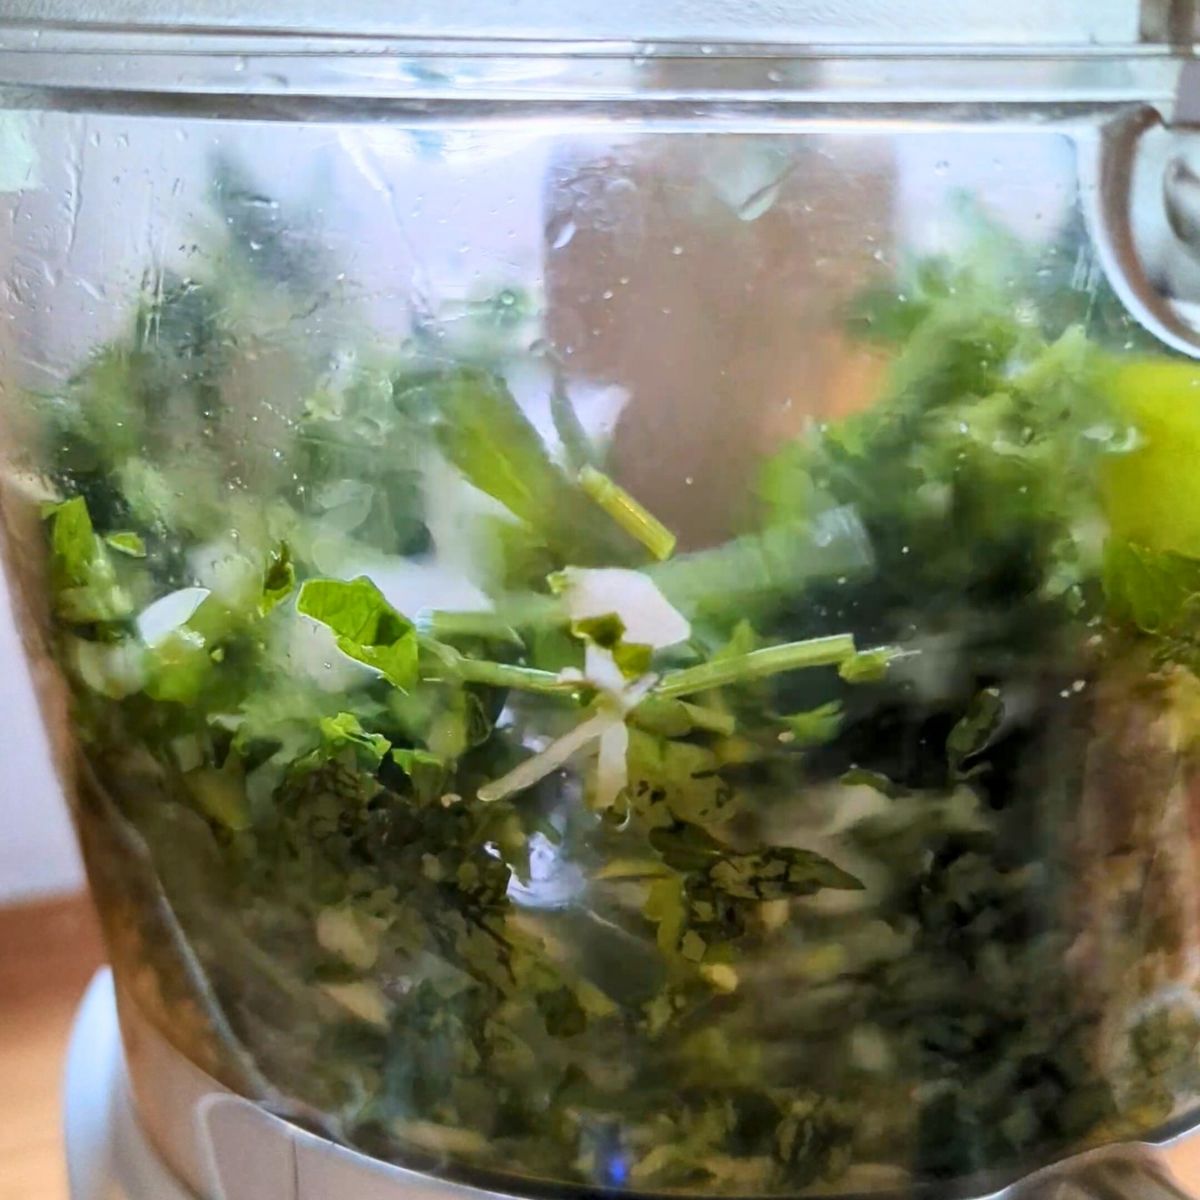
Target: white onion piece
pixel 169 613
pixel 612 771
pixel 648 616
pixel 546 762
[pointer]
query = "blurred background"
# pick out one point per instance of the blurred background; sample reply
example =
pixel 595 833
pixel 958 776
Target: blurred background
pixel 38 857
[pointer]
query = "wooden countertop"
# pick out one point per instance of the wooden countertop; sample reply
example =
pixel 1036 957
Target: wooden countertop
pixel 48 952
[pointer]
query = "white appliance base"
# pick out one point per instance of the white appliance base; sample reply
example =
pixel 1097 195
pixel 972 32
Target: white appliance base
pixel 108 1155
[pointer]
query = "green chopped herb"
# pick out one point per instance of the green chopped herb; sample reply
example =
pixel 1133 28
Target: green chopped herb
pixel 532 895
pixel 632 517
pixel 367 627
pixel 127 543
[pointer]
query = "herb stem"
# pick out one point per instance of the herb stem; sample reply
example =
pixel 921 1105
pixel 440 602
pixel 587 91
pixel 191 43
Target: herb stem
pixel 567 425
pixel 499 675
pixel 442 624
pixel 524 679
pixel 634 518
pixel 758 664
pixel 710 719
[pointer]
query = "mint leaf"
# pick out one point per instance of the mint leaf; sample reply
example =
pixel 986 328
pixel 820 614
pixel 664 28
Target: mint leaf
pixel 368 628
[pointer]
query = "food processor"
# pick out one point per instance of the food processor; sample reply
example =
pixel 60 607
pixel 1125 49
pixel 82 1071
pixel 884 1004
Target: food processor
pixel 616 590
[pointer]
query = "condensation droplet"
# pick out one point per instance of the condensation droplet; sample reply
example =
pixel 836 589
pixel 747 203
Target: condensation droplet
pixel 559 233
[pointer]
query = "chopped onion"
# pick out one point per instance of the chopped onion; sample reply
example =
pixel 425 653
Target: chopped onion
pixel 534 770
pixel 648 616
pixel 171 612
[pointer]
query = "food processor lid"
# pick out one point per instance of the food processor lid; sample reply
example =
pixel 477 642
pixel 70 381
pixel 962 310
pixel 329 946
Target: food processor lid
pixel 1099 23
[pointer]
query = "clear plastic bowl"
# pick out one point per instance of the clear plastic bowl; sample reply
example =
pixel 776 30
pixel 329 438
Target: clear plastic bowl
pixel 619 617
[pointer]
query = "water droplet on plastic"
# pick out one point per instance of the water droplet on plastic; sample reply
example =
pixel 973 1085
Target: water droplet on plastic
pixel 677 250
pixel 559 233
pixel 759 203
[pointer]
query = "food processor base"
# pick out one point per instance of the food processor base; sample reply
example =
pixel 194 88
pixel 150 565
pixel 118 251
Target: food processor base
pixel 108 1155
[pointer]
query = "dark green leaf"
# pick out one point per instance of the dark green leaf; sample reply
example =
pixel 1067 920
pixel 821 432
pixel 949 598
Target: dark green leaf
pixel 779 873
pixel 973 733
pixel 279 579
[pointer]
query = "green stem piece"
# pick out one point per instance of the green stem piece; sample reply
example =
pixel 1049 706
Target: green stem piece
pixel 758 664
pixel 636 520
pixel 442 624
pixel 451 664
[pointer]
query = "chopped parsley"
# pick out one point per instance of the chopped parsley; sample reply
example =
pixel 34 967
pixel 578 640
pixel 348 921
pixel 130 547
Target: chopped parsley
pixel 737 869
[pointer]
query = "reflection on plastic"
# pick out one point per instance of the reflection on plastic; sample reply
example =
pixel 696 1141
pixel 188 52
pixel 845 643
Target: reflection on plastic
pixel 1123 1173
pixel 251 1154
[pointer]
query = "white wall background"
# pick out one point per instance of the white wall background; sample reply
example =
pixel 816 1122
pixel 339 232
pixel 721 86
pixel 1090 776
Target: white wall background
pixel 38 855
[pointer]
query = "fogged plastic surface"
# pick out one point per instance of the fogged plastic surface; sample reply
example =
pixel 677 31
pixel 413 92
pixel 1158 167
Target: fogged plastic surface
pixel 923 912
pixel 878 22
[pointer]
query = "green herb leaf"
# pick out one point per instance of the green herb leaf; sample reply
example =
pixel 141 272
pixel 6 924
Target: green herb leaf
pixel 85 584
pixel 130 544
pixel 868 666
pixel 178 667
pixel 279 579
pixel 427 771
pixel 779 873
pixel 1157 591
pixel 368 628
pixel 483 432
pixel 973 733
pixel 345 730
pixel 815 727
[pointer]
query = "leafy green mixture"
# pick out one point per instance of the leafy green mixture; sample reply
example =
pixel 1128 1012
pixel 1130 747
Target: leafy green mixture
pixel 734 870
